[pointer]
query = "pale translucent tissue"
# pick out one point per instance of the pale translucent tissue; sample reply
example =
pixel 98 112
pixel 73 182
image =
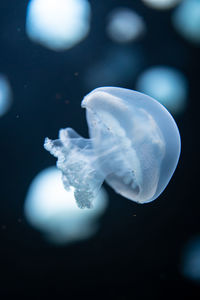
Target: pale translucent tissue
pixel 134 146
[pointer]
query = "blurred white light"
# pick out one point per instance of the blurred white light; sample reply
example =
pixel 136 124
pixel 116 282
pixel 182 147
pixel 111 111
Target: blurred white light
pixel 5 95
pixel 125 25
pixel 58 24
pixel 186 20
pixel 190 263
pixel 116 67
pixel 161 4
pixel 53 210
pixel 168 85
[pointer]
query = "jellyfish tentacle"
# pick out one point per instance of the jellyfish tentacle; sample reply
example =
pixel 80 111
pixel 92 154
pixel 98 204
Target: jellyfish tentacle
pixel 75 156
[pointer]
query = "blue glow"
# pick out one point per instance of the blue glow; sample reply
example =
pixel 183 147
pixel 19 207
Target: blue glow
pixel 167 85
pixel 58 25
pixel 190 263
pixel 116 67
pixel 134 146
pixel 52 209
pixel 161 4
pixel 186 20
pixel 5 95
pixel 125 25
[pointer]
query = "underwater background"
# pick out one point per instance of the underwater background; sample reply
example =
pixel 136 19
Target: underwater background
pixel 130 251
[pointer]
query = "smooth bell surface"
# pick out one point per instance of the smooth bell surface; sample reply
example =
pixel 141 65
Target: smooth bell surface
pixel 142 137
pixel 134 146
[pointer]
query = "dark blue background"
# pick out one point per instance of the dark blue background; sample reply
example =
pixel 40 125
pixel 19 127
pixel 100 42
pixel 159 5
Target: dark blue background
pixel 136 253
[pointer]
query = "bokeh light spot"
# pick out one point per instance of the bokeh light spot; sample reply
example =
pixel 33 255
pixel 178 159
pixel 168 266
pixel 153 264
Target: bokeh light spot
pixel 58 25
pixel 125 25
pixel 190 262
pixel 186 20
pixel 5 95
pixel 168 85
pixel 161 4
pixel 53 210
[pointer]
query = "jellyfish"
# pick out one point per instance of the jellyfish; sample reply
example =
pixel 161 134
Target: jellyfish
pixel 134 146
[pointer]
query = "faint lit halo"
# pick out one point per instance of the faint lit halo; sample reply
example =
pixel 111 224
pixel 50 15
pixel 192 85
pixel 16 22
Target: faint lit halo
pixel 186 20
pixel 166 84
pixel 161 4
pixel 53 210
pixel 125 25
pixel 5 95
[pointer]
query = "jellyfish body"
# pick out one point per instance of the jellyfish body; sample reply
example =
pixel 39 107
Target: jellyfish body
pixel 134 146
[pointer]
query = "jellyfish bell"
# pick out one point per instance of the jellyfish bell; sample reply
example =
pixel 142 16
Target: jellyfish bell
pixel 136 128
pixel 134 146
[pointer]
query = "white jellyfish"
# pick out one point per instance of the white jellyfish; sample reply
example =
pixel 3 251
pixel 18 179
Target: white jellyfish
pixel 58 25
pixel 52 210
pixel 134 146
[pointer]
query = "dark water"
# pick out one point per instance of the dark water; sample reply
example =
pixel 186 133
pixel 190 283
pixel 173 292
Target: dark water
pixel 136 252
